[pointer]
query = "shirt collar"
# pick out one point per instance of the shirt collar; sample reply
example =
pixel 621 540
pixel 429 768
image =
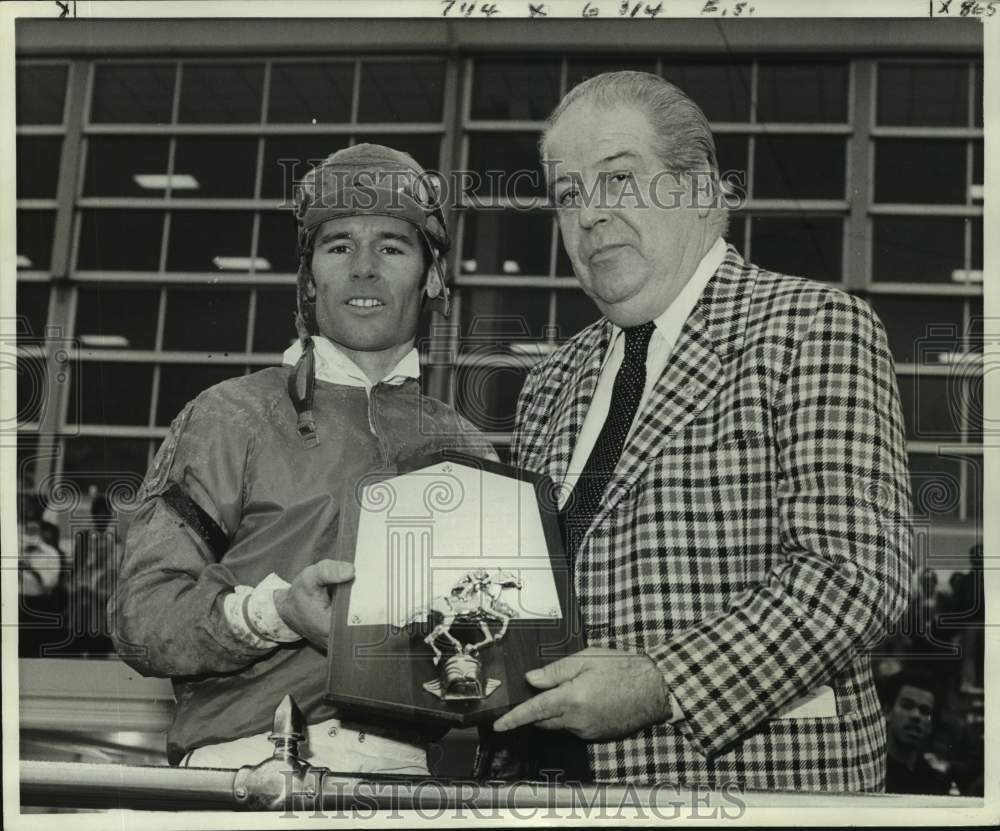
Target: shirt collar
pixel 335 367
pixel 671 321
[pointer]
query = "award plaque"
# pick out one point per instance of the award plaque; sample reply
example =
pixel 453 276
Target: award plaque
pixel 461 586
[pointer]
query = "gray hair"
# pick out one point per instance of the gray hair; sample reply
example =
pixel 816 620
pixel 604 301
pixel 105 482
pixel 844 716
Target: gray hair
pixel 683 139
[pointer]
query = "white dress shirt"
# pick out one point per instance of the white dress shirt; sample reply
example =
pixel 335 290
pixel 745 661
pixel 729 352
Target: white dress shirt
pixel 661 345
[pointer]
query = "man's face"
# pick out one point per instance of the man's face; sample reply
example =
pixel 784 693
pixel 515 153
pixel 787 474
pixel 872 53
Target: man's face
pixel 368 273
pixel 911 717
pixel 627 224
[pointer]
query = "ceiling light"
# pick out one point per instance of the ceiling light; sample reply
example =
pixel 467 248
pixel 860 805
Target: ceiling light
pixel 104 341
pixel 160 181
pixel 241 263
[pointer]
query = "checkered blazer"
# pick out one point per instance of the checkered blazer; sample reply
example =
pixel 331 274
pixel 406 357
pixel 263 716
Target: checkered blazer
pixel 754 538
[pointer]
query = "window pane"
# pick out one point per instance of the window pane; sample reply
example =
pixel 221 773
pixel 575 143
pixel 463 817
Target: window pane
pixel 217 167
pixel 974 489
pixel 37 167
pixel 794 167
pixel 394 91
pixel 809 92
pixel 274 320
pixel 929 172
pixel 736 233
pixel 33 306
pixel 32 387
pixel 564 266
pixel 126 166
pixel 34 239
pixel 221 93
pixel 425 149
pixel 120 240
pixel 923 94
pixel 930 408
pixel 133 94
pixel 504 316
pixel 978 117
pixel 287 159
pixel 935 485
pixel 581 70
pixel 113 316
pixel 722 90
pixel 88 460
pixel 209 241
pixel 109 392
pixel 977 243
pixel 310 93
pixel 505 164
pixel 921 329
pixel 732 153
pixel 803 246
pixel 277 242
pixel 506 242
pixel 916 248
pixel 40 92
pixel 180 383
pixel 487 396
pixel 574 311
pixel 976 333
pixel 210 320
pixel 977 162
pixel 514 88
pixel 970 391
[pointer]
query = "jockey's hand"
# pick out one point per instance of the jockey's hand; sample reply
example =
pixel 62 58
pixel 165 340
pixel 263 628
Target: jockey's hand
pixel 595 694
pixel 306 605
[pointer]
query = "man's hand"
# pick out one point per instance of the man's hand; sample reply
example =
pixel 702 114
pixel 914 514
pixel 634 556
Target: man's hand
pixel 595 694
pixel 305 605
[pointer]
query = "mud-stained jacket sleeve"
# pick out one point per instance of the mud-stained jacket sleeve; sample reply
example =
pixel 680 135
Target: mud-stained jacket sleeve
pixel 167 613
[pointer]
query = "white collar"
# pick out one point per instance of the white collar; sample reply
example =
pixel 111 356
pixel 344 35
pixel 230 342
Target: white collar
pixel 671 321
pixel 335 367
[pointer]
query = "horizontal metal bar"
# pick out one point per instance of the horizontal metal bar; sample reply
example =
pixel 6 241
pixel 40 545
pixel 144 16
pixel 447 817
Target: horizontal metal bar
pixel 728 127
pixel 176 357
pixel 928 132
pixel 776 128
pixel 514 281
pixel 114 431
pixel 40 129
pixel 37 204
pixel 965 362
pixel 31 275
pixel 925 289
pixel 209 278
pixel 258 129
pixel 796 206
pixel 899 209
pixel 937 448
pixel 152 203
pixel 80 785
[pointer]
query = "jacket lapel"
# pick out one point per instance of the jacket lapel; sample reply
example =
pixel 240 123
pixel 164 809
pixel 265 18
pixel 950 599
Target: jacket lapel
pixel 694 374
pixel 573 400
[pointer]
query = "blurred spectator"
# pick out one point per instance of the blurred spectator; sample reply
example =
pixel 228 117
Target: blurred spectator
pixel 41 568
pixel 94 554
pixel 910 700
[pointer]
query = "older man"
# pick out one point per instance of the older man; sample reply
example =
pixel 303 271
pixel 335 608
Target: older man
pixel 246 491
pixel 729 445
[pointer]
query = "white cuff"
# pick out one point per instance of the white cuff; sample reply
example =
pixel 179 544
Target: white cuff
pixel 253 617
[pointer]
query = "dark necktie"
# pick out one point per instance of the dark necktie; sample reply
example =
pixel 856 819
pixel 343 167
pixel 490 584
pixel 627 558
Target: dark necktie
pixel 582 505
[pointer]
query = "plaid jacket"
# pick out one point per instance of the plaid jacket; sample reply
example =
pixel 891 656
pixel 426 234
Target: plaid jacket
pixel 754 538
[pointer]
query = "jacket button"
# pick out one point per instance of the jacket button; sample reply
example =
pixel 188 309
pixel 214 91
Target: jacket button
pixel 332 731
